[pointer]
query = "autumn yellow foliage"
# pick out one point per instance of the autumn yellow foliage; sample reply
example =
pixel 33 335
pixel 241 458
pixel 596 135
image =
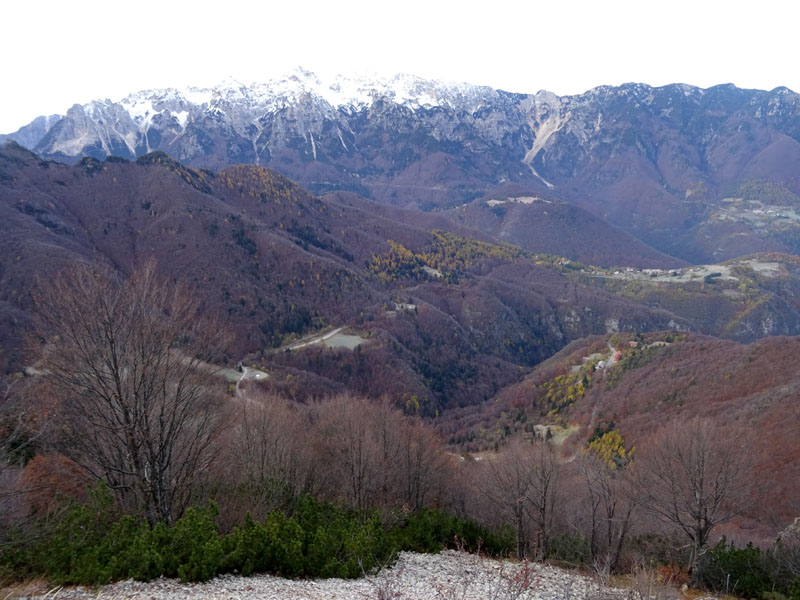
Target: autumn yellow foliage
pixel 610 448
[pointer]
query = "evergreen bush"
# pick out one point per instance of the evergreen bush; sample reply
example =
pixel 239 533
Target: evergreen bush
pixel 741 571
pixel 90 544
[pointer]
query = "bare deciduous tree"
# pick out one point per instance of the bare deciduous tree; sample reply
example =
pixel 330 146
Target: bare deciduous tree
pixel 13 444
pixel 271 455
pixel 374 456
pixel 128 361
pixel 422 466
pixel 610 507
pixel 695 476
pixel 348 450
pixel 604 467
pixel 522 482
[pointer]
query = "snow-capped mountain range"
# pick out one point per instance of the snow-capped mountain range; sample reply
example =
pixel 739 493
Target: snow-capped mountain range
pixel 104 127
pixel 341 91
pixel 650 160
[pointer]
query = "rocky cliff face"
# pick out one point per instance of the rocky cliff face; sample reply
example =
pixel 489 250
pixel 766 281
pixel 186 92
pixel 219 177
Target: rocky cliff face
pixel 651 158
pixel 653 161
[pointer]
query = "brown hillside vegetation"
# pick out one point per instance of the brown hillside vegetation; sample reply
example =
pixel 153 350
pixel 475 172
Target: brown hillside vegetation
pixel 556 227
pixel 445 319
pixel 279 263
pixel 751 389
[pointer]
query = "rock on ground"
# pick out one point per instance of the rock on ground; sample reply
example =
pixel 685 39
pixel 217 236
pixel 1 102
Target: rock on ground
pixel 450 575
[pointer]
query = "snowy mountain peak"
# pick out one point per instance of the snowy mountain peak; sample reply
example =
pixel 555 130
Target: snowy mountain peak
pixel 356 91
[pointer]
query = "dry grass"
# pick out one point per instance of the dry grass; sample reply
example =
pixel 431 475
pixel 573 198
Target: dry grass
pixel 28 588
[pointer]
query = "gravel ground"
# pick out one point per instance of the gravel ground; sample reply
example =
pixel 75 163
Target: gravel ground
pixel 448 576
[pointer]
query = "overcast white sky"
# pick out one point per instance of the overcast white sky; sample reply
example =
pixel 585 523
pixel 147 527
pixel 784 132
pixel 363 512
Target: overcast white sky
pixel 57 53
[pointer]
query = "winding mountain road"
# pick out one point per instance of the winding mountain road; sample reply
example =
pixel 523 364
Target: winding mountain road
pixel 248 373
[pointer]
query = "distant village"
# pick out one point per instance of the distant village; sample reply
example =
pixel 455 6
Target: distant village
pixel 683 275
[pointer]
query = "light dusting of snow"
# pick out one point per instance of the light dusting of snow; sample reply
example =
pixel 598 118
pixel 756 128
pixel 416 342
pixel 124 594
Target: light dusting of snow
pixel 131 117
pixel 339 91
pixel 140 109
pixel 182 116
pixel 313 145
pixel 358 91
pixel 197 96
pixel 339 133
